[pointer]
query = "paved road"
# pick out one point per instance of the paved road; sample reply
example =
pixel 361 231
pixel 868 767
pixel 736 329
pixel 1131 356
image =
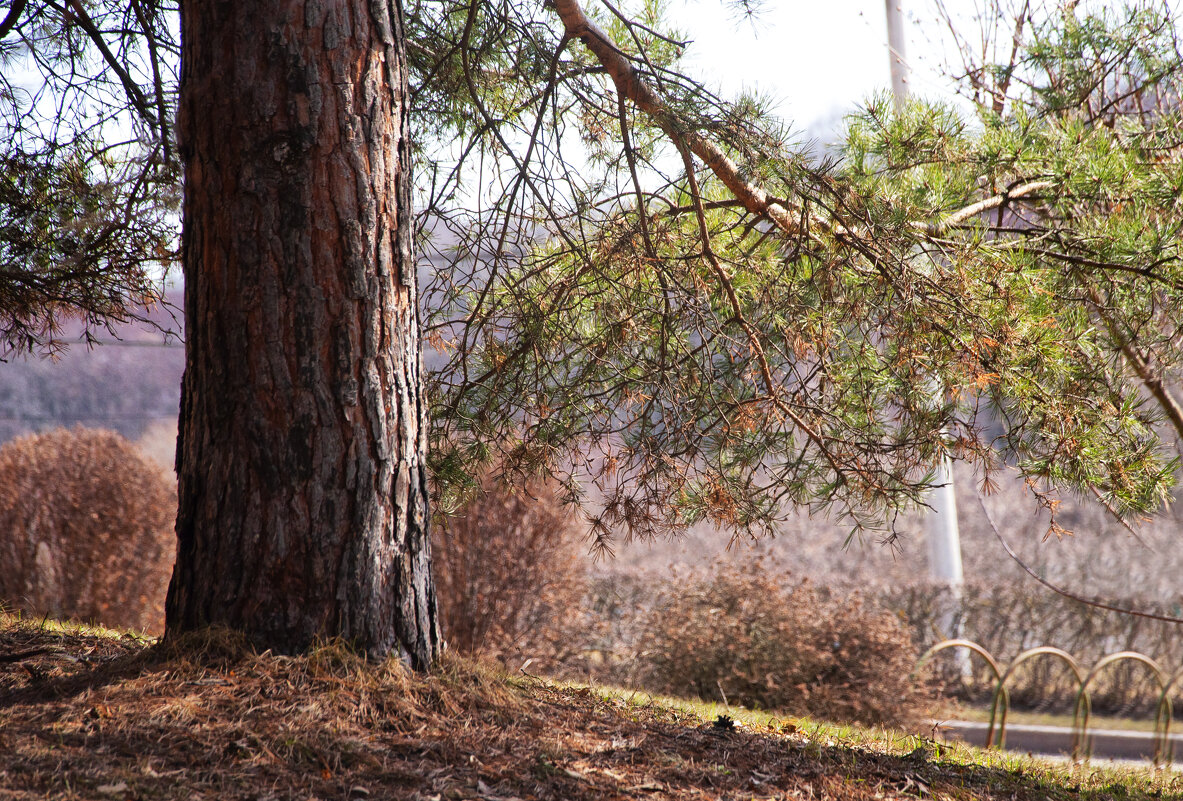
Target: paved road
pixel 1106 743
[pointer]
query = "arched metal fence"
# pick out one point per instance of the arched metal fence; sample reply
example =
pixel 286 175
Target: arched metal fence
pixel 1000 702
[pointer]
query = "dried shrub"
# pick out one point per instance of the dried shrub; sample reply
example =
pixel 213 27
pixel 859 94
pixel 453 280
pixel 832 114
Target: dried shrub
pixel 510 574
pixel 86 529
pixel 741 636
pixel 158 442
pixel 619 605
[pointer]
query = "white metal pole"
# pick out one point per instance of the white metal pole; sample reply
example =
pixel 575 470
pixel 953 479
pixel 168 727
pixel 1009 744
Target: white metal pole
pixel 897 51
pixel 944 539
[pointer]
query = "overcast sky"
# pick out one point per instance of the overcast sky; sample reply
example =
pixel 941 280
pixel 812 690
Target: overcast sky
pixel 814 57
pixel 819 58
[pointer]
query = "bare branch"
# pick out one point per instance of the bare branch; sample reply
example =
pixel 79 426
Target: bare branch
pixel 988 204
pixel 12 17
pixel 1016 43
pixel 631 85
pixel 1068 593
pixel 134 95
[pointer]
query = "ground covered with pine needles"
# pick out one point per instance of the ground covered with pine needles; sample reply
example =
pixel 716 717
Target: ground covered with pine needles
pixel 85 714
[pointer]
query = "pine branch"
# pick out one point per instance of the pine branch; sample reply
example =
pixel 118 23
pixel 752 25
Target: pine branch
pixel 1152 381
pixel 988 204
pixel 631 85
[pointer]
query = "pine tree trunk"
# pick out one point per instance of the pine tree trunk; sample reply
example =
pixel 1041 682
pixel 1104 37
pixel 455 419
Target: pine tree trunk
pixel 303 501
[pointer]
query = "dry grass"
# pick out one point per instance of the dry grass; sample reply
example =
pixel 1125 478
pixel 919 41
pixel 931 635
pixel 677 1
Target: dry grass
pixel 88 714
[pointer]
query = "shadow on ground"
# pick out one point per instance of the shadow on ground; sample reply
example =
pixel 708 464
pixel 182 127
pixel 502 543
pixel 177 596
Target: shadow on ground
pixel 86 716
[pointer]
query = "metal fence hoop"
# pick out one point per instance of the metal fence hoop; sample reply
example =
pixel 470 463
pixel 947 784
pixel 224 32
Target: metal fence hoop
pixel 1082 711
pixel 1083 705
pixel 1001 695
pixel 1164 716
pixel 1043 650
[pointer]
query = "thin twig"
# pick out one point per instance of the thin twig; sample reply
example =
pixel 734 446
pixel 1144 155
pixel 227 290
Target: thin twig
pixel 96 36
pixel 17 657
pixel 1068 593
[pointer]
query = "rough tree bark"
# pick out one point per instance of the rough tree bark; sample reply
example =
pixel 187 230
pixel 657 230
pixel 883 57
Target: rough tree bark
pixel 303 501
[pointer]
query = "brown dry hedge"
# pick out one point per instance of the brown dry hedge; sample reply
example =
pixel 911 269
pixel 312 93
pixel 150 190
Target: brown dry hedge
pixel 743 637
pixel 86 529
pixel 509 574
